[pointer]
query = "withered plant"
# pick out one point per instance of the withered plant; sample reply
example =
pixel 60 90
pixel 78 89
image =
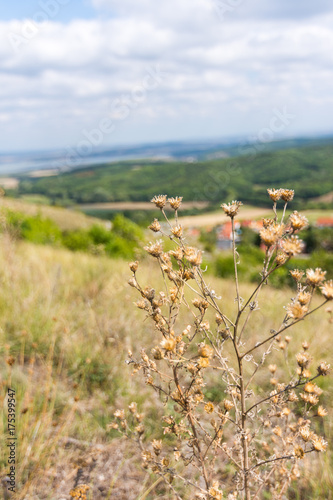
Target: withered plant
pixel 263 422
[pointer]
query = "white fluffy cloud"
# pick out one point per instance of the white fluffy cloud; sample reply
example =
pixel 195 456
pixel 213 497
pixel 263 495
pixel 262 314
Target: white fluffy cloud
pixel 217 76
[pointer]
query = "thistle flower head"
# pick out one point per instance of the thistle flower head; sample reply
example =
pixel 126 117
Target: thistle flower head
pixel 306 433
pixel 157 446
pixel 323 369
pixel 298 221
pixel 287 194
pixel 304 298
pixel 321 411
pixel 274 194
pixel 292 245
pixel 154 249
pixel 168 344
pixel 267 222
pixel 297 274
pixel 177 231
pixel 319 444
pixel 296 311
pixel 155 226
pixel 315 277
pixel 209 407
pixel 327 290
pixel 205 351
pixel 193 256
pixel 231 209
pixel 303 359
pixel 175 202
pixel 134 266
pixel 160 200
pixel 299 452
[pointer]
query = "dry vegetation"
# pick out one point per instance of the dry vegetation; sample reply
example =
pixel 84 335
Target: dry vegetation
pixel 67 322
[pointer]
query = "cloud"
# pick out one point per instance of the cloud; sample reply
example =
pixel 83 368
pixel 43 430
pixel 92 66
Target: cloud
pixel 219 76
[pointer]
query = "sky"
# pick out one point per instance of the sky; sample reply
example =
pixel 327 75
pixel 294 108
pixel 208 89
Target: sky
pixel 87 73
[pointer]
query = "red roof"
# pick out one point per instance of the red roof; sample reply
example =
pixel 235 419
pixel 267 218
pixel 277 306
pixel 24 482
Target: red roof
pixel 325 221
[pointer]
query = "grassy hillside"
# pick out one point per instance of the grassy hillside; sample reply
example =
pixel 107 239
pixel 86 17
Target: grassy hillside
pixel 66 323
pixel 308 170
pixel 64 219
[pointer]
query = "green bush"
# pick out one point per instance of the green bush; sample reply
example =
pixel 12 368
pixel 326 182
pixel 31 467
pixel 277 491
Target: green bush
pixel 78 240
pixel 39 230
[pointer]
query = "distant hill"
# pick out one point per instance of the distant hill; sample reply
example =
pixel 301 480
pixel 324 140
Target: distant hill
pixel 307 169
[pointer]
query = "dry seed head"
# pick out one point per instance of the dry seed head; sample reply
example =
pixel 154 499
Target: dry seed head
pixel 299 452
pixel 203 362
pixel 287 194
pixel 267 222
pixel 305 433
pixel 209 408
pixel 157 353
pixel 133 407
pixel 155 226
pixel 315 277
pixel 142 304
pixel 119 414
pixel 274 194
pixel 306 373
pixel 277 431
pixel 303 359
pixel 297 274
pixel 304 298
pixel 80 492
pixel 323 368
pixel 327 290
pixel 177 254
pixel 215 493
pixel 168 344
pixel 175 202
pixel 292 245
pixel 309 387
pixel 292 397
pixel 272 234
pixel 321 411
pixel 228 405
pixel 298 221
pixel 193 256
pixel 132 282
pixel 319 444
pixel 296 310
pixel 205 351
pixel 305 345
pixel 134 266
pixel 157 446
pixel 177 231
pixel 159 200
pixel 272 368
pixel 231 209
pixel 281 259
pixel 154 249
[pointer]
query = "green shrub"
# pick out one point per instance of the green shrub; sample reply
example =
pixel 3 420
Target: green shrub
pixel 39 230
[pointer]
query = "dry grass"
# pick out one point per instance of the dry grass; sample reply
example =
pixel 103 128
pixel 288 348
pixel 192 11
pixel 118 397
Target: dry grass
pixel 68 320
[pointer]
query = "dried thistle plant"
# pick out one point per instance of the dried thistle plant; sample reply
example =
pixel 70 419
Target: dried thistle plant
pixel 259 437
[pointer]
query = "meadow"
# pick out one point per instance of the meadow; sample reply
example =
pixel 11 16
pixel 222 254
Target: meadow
pixel 67 322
